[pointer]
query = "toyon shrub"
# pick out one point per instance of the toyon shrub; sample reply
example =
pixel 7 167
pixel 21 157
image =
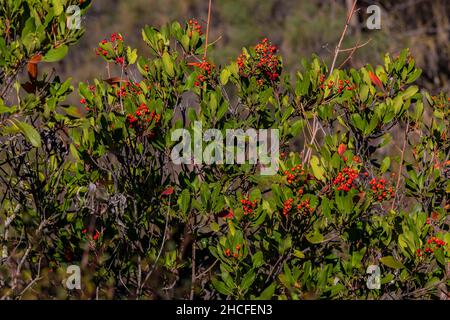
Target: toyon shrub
pixel 363 176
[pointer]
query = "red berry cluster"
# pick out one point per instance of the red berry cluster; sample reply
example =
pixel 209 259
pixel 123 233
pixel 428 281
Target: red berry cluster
pixel 115 40
pixel 84 102
pixel 287 206
pixel 227 214
pixel 236 252
pixel 134 88
pixel 241 62
pixel 441 102
pixel 434 217
pixel 120 60
pixel 248 206
pixel 122 92
pixel 100 51
pixel 433 244
pixel 130 87
pixel 194 26
pixel 143 118
pixel 445 165
pixel 356 159
pixel 380 190
pixel 338 87
pixel 297 178
pixel 265 65
pixel 294 174
pixel 345 178
pixel 305 207
pixel 95 236
pixel 206 70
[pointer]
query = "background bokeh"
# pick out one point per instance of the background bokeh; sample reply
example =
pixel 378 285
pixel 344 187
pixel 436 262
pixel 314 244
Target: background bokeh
pixel 299 27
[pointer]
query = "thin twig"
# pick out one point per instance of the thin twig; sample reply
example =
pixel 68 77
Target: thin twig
pixel 8 221
pixel 207 29
pixel 160 249
pixel 199 276
pixel 193 270
pixel 38 277
pixel 357 46
pixel 338 47
pixel 353 50
pixel 337 50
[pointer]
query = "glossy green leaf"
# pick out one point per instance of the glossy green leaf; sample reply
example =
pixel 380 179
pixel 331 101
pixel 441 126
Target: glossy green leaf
pixel 56 54
pixel 391 262
pixel 30 133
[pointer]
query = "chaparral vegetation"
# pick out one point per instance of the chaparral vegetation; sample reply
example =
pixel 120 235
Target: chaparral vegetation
pixel 363 175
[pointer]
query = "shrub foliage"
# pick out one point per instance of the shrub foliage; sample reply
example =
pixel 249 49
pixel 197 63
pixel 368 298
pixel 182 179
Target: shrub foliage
pixel 363 177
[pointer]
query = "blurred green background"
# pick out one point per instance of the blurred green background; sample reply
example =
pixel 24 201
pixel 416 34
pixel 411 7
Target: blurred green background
pixel 299 27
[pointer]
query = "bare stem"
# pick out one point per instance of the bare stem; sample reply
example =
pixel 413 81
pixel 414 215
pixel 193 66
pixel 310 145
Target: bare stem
pixel 338 47
pixel 207 29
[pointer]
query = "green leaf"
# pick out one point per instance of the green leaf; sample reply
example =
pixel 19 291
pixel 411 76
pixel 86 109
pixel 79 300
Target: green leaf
pixel 56 54
pixel 388 278
pixel 168 64
pixel 176 28
pixel 185 42
pixel 285 244
pixel 414 76
pixel 268 292
pixel 65 87
pixel 224 76
pixel 73 111
pixel 6 109
pixel 248 279
pixel 363 92
pixel 342 203
pixel 227 279
pixel 314 238
pixel 28 131
pixel 391 262
pixel 385 164
pixel 215 227
pixel 222 110
pixel 317 169
pixel 267 207
pixel 255 194
pixel 74 152
pixel 57 7
pixel 410 92
pixel 372 125
pixel 221 287
pixel 358 121
pixel 194 39
pixel 296 127
pixel 440 257
pixel 131 55
pixel 397 104
pixel 299 254
pixel 258 259
pixel 184 201
pixel 287 113
pixel 148 34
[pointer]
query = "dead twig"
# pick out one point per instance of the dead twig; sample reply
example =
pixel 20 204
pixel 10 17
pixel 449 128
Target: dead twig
pixel 338 47
pixel 353 50
pixel 207 29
